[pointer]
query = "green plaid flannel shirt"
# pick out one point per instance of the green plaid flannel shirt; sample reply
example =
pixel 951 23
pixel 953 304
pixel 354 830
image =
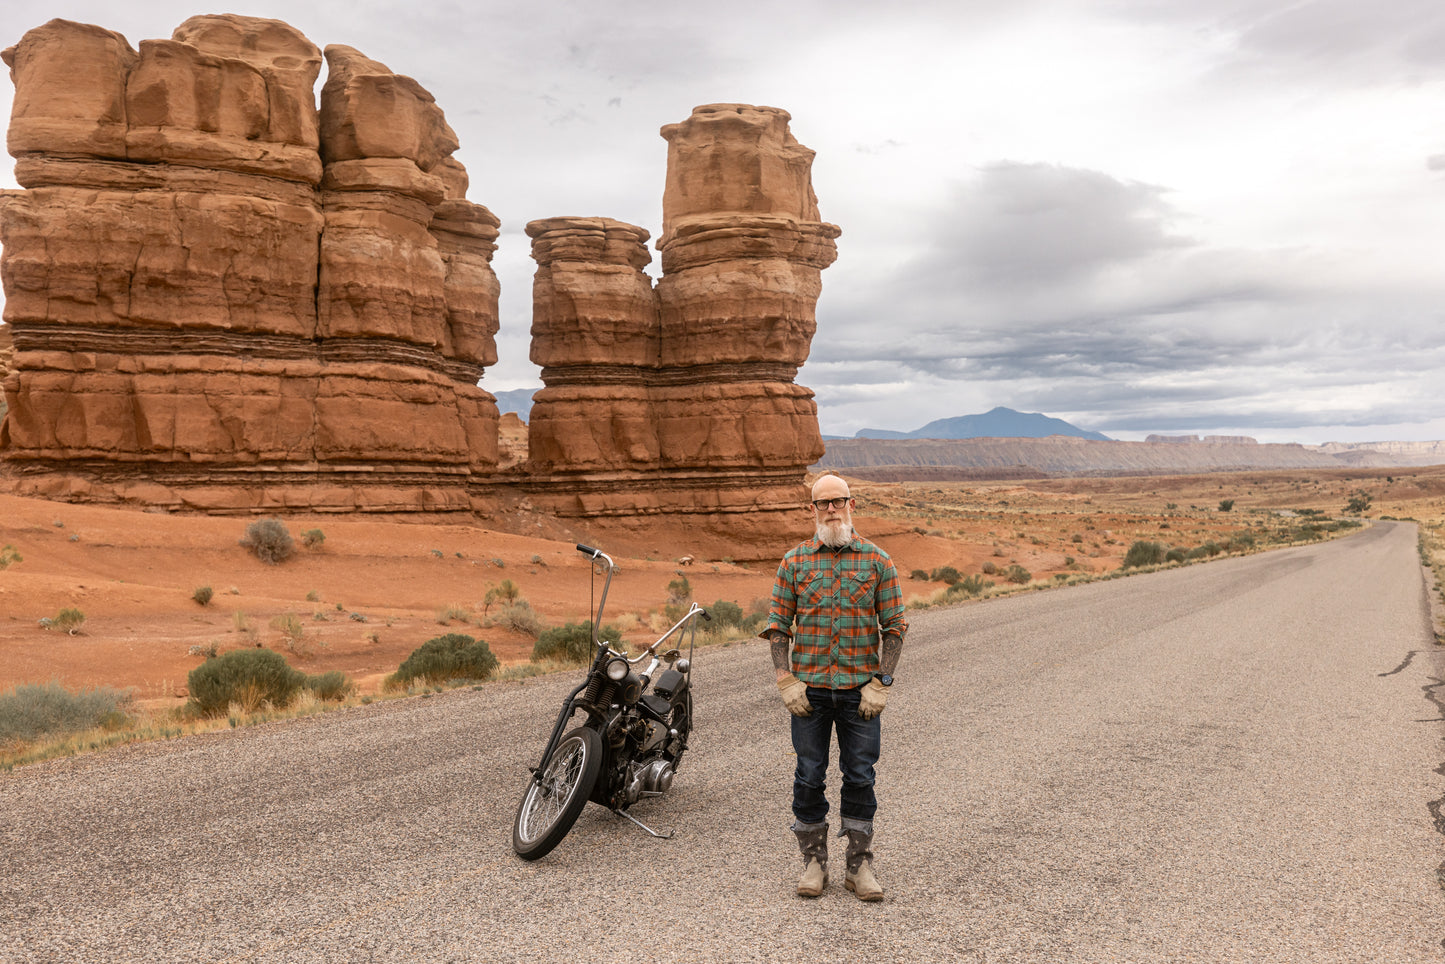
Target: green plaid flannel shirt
pixel 841 600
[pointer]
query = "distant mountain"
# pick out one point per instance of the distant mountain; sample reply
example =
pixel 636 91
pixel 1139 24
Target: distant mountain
pixel 518 400
pixel 999 423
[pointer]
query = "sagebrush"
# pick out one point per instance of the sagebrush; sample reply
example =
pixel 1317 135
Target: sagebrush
pixel 453 656
pixel 249 677
pixel 572 642
pixel 35 710
pixel 269 540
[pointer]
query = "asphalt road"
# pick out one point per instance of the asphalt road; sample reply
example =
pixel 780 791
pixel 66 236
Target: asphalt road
pixel 1226 762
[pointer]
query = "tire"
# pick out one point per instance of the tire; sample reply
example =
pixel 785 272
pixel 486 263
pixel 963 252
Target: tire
pixel 551 805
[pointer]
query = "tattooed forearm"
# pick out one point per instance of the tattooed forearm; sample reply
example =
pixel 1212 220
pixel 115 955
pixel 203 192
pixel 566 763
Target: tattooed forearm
pixel 779 641
pixel 892 649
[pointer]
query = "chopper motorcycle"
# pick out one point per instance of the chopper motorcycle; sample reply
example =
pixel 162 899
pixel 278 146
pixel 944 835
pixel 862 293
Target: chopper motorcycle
pixel 627 747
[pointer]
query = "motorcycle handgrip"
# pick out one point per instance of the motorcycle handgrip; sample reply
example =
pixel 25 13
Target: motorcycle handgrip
pixel 587 549
pixel 705 615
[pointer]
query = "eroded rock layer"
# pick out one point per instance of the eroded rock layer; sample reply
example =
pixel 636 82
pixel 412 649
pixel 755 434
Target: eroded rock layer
pixel 681 398
pixel 222 298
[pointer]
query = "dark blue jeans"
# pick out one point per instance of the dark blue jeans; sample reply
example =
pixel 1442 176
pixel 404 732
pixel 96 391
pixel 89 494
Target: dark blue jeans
pixel 859 743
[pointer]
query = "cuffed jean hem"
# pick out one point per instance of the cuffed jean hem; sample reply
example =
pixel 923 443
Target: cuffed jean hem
pixel 801 827
pixel 852 823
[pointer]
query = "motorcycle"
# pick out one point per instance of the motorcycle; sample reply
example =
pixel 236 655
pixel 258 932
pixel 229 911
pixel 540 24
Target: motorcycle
pixel 630 743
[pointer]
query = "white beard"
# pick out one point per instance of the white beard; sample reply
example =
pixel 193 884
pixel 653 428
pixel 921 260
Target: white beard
pixel 835 534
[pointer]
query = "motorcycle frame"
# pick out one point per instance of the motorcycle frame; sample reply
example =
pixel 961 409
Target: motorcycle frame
pixel 604 651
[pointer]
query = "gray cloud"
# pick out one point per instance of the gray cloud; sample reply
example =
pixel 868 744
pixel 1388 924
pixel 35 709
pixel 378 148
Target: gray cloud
pixel 1082 288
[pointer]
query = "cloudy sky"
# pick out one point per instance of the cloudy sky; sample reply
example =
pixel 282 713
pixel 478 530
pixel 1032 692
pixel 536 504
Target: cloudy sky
pixel 1178 216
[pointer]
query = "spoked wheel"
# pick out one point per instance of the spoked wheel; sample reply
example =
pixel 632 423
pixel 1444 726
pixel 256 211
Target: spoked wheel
pixel 551 804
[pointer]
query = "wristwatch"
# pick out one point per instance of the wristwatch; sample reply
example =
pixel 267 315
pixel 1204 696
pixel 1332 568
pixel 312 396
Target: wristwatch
pixel 884 678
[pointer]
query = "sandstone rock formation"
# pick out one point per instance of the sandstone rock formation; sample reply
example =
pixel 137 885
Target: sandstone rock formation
pixel 7 355
pixel 680 398
pixel 225 298
pixel 220 297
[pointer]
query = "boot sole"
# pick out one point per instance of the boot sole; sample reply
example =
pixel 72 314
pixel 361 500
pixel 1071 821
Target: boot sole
pixel 808 892
pixel 868 897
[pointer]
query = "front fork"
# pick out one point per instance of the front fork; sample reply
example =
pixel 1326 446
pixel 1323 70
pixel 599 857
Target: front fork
pixel 569 705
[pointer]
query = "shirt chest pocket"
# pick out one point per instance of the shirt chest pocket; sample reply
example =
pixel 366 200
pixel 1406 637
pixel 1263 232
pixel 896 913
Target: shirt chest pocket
pixel 858 586
pixel 817 589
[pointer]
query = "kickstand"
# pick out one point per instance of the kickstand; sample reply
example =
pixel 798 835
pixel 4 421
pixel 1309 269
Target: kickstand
pixel 660 836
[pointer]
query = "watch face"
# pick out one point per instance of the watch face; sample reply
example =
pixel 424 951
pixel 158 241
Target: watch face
pixel 885 679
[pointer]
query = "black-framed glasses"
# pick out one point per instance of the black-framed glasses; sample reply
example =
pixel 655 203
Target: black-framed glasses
pixel 838 503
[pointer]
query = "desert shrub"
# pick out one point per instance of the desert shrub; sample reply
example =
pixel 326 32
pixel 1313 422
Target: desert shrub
pixel 1359 502
pixel 68 620
pixel 34 710
pixel 250 677
pixel 1226 505
pixel 918 574
pixel 269 540
pixel 989 569
pixel 520 618
pixel 1174 555
pixel 203 595
pixel 505 592
pixel 679 590
pixel 572 642
pixel 1198 552
pixel 453 656
pixel 334 685
pixel 946 574
pixel 967 588
pixel 725 613
pixel 291 628
pixel 455 611
pixel 1017 574
pixel 312 538
pixel 8 555
pixel 1143 553
pixel 970 586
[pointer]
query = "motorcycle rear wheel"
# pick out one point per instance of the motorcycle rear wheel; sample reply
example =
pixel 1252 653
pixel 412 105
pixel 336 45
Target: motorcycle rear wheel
pixel 552 803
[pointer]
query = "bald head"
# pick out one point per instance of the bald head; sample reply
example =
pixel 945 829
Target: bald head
pixel 830 487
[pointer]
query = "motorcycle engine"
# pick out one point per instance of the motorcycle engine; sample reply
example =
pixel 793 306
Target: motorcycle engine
pixel 652 778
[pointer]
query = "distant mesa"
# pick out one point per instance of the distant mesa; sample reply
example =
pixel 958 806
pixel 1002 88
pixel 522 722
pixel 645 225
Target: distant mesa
pixel 518 401
pixel 940 460
pixel 1203 439
pixel 999 422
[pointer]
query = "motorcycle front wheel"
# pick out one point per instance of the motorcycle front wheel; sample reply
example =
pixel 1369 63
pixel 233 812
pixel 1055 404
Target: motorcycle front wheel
pixel 552 802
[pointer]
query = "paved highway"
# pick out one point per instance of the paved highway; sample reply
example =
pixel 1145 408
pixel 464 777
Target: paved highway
pixel 1225 762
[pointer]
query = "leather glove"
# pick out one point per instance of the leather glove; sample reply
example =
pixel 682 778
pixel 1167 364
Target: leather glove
pixel 795 695
pixel 872 699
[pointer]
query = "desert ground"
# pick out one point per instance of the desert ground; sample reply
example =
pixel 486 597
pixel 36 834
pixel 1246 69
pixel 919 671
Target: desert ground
pixel 376 587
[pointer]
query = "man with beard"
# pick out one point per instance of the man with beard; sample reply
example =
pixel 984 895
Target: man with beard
pixel 834 671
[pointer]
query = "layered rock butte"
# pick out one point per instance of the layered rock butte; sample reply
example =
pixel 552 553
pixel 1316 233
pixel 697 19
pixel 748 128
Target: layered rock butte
pixel 225 299
pixel 680 398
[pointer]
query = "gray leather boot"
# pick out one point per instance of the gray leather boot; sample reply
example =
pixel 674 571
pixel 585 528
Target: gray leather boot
pixel 813 842
pixel 860 879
